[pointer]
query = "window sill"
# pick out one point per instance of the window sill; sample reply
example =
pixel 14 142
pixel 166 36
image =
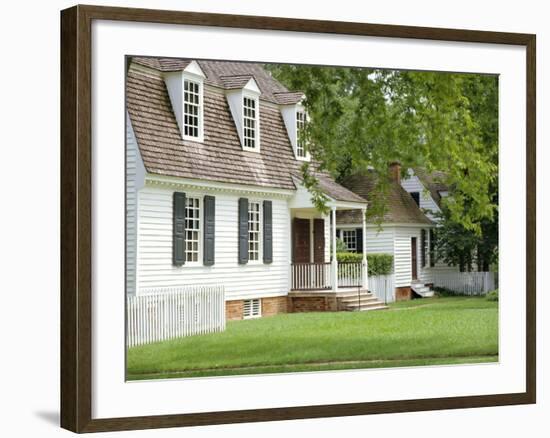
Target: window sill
pixel 249 149
pixel 195 139
pixel 255 262
pixel 192 265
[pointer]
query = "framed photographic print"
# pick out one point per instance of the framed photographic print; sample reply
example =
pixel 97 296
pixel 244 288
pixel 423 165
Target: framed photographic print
pixel 268 219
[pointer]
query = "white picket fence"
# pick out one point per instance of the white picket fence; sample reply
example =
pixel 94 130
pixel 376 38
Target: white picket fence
pixel 383 287
pixel 468 283
pixel 171 312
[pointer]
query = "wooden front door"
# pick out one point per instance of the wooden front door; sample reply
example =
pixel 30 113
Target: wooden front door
pixel 414 259
pixel 301 249
pixel 318 240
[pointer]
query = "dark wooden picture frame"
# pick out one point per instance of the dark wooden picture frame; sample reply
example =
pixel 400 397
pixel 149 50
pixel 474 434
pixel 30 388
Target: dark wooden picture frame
pixel 76 218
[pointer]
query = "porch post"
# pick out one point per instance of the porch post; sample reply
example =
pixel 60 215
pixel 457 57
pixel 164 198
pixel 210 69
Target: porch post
pixel 365 263
pixel 334 261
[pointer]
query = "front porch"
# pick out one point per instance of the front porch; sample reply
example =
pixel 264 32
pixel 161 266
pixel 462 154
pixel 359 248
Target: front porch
pixel 314 264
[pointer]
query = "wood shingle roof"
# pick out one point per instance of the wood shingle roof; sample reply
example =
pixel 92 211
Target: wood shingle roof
pixel 401 208
pixel 220 157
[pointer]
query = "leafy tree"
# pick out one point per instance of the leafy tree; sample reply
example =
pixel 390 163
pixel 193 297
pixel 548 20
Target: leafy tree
pixel 362 118
pixel 458 245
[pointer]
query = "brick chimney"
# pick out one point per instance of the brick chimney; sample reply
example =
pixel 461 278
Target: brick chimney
pixel 395 171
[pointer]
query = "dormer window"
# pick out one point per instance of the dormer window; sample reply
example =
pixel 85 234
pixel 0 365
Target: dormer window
pixel 295 119
pixel 243 97
pixel 300 127
pixel 185 89
pixel 250 122
pixel 191 108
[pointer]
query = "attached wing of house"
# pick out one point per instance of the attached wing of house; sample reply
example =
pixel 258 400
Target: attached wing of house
pixel 214 194
pixel 406 231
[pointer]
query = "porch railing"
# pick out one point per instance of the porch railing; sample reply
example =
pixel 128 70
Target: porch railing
pixel 311 276
pixel 315 276
pixel 350 274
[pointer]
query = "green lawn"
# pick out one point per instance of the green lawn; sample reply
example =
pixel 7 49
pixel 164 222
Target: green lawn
pixel 419 332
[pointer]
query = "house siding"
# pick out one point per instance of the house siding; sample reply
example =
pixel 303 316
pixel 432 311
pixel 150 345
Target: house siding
pixel 251 280
pixel 413 184
pixel 135 175
pixel 403 257
pixel 396 240
pixel 379 241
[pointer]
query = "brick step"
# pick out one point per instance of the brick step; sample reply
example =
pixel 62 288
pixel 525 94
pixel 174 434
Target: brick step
pixel 366 303
pixel 363 293
pixel 363 299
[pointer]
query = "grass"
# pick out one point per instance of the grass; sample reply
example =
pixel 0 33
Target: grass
pixel 419 332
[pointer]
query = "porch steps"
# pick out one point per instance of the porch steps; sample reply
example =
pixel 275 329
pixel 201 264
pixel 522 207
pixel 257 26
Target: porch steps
pixel 422 290
pixel 360 301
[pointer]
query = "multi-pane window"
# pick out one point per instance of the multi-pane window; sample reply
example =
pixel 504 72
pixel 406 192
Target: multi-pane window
pixel 300 125
pixel 192 229
pixel 253 231
pixel 191 108
pixel 252 308
pixel 350 239
pixel 250 122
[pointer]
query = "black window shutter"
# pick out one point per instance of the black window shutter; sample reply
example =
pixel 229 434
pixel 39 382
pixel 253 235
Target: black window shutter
pixel 423 247
pixel 178 228
pixel 359 240
pixel 268 232
pixel 209 229
pixel 432 247
pixel 243 231
pixel 338 233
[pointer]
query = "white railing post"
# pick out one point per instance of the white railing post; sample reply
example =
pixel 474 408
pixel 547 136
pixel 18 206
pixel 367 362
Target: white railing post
pixel 365 265
pixel 334 260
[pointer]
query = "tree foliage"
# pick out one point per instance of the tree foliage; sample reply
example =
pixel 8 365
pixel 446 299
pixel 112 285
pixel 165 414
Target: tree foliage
pixel 458 245
pixel 363 118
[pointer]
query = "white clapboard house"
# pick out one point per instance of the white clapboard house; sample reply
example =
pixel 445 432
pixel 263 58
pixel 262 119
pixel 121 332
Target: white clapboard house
pixel 407 230
pixel 215 196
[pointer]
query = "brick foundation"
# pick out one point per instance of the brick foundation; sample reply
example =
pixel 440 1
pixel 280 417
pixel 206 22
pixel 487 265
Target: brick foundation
pixel 234 310
pixel 274 305
pixel 313 304
pixel 270 306
pixel 403 293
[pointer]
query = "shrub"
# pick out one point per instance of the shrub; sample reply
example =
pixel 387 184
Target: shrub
pixel 379 264
pixel 349 257
pixel 492 296
pixel 341 246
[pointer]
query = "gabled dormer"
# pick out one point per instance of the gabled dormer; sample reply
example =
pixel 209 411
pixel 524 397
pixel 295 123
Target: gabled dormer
pixel 186 90
pixel 295 119
pixel 243 97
